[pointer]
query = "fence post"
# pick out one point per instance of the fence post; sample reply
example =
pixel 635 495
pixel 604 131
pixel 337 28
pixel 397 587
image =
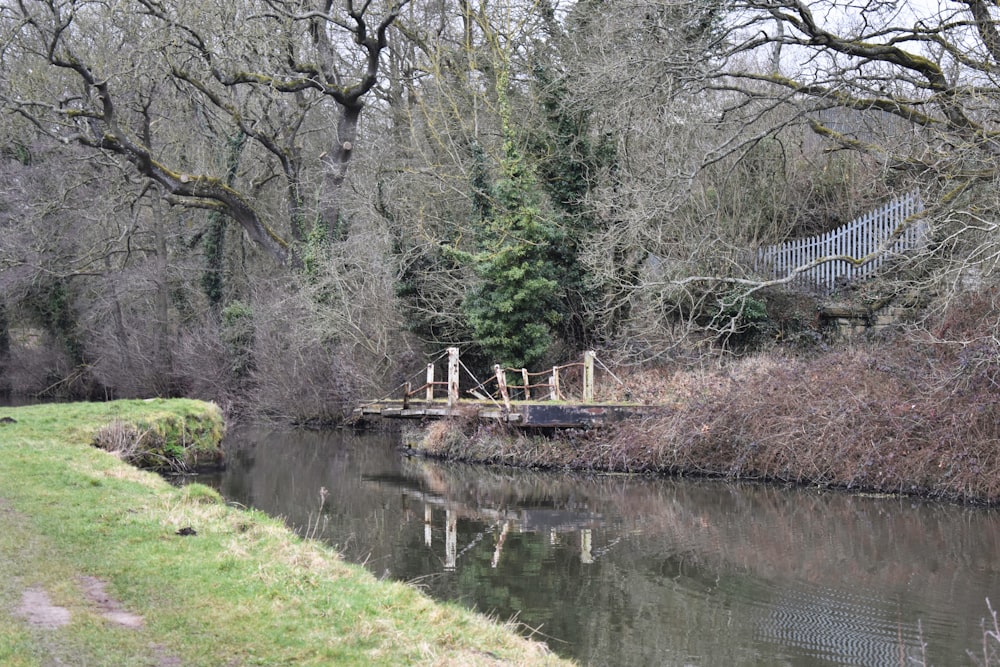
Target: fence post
pixel 588 376
pixel 555 394
pixel 524 376
pixel 428 518
pixel 430 382
pixel 452 376
pixel 502 384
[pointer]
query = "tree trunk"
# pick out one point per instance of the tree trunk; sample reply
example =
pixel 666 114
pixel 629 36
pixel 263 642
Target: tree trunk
pixel 213 279
pixel 163 358
pixel 338 161
pixel 4 351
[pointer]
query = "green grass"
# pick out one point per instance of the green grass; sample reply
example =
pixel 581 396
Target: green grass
pixel 243 591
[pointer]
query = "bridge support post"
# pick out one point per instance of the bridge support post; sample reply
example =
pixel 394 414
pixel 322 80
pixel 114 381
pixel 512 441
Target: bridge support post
pixel 452 376
pixel 588 376
pixel 430 382
pixel 502 385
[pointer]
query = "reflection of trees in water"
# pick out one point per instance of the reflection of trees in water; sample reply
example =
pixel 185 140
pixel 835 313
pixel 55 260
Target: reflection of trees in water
pixel 688 538
pixel 822 538
pixel 675 564
pixel 282 473
pixel 800 550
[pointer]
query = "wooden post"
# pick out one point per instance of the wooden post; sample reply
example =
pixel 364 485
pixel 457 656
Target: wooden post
pixel 502 384
pixel 588 376
pixel 524 376
pixel 452 376
pixel 430 382
pixel 406 396
pixel 554 381
pixel 498 550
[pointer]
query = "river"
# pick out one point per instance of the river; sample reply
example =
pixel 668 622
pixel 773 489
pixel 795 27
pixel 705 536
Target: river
pixel 621 570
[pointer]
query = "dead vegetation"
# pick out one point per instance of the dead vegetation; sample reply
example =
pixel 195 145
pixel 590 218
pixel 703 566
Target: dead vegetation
pixel 909 413
pixel 166 443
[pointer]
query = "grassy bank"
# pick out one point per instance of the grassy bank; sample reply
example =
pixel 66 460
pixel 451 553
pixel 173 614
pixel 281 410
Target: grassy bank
pixel 104 564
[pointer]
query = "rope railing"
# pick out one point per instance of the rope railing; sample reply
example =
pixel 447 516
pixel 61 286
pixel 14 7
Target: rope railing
pixel 527 385
pixel 506 384
pixel 407 384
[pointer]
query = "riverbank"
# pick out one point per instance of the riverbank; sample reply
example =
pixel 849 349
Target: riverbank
pixel 902 414
pixel 103 563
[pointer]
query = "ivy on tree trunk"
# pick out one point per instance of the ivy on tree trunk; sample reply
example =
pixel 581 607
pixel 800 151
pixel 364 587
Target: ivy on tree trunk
pixel 514 309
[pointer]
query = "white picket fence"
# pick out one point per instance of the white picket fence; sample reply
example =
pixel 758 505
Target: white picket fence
pixel 873 237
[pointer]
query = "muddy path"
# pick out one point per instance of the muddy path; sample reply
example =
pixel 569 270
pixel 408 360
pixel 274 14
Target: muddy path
pixel 28 597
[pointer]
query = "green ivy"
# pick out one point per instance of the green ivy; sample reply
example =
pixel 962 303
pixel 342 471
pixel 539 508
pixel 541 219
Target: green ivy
pixel 316 249
pixel 513 310
pixel 569 159
pixel 212 280
pixel 741 314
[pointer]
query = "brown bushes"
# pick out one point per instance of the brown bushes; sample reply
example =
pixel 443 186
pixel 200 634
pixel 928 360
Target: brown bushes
pixel 903 416
pixel 165 441
pixel 880 420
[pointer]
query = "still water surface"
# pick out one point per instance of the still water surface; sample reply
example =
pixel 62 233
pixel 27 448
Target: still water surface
pixel 617 570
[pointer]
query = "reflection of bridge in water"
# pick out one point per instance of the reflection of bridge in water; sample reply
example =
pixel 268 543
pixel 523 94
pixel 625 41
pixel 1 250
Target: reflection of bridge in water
pixel 841 589
pixel 436 497
pixel 683 571
pixel 522 521
pixel 773 532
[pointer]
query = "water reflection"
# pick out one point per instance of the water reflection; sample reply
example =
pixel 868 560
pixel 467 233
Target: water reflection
pixel 617 570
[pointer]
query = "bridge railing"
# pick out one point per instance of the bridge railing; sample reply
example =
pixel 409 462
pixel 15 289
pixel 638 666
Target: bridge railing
pixel 508 384
pixel 854 251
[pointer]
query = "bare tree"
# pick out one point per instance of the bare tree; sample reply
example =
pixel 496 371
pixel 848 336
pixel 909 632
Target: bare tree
pixel 91 74
pixel 748 122
pixel 914 87
pixel 247 111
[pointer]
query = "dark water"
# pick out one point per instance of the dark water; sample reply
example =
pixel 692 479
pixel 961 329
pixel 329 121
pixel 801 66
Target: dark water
pixel 616 570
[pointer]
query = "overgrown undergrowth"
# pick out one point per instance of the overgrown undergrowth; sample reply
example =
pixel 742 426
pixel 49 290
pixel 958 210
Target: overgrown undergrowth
pixel 145 435
pixel 914 413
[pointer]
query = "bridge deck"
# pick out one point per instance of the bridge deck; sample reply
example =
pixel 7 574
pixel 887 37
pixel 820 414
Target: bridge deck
pixel 543 414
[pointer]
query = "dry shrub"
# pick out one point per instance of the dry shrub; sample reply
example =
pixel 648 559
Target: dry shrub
pixel 288 369
pixel 898 416
pixel 858 419
pixel 120 438
pixel 201 365
pixel 461 439
pixel 446 436
pixel 300 373
pixel 168 443
pixel 36 366
pixel 965 338
pixel 131 445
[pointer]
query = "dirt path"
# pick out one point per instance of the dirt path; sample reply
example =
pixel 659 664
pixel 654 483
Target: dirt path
pixel 36 609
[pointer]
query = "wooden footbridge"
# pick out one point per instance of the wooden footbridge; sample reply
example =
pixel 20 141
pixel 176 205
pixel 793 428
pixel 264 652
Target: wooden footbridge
pixel 562 397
